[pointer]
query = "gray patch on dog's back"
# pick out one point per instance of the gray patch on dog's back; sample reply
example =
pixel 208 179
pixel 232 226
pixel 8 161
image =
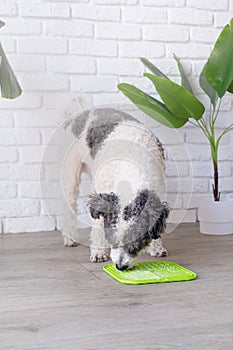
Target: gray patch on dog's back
pixel 79 122
pixel 101 127
pixel 113 114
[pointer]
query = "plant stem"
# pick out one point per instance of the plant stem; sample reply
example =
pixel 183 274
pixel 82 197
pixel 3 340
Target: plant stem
pixel 215 185
pixel 215 114
pixel 209 132
pixel 229 128
pixel 214 152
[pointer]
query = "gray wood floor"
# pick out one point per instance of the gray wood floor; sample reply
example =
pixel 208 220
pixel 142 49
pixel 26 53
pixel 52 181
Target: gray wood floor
pixel 52 298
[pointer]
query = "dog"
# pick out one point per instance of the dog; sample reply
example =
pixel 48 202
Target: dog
pixel 125 161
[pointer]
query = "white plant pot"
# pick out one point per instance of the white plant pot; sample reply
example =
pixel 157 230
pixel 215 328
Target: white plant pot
pixel 216 218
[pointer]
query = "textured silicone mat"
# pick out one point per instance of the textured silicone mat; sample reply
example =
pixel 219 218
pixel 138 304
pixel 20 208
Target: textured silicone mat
pixel 151 272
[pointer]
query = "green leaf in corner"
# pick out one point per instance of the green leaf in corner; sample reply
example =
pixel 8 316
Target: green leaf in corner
pixel 219 67
pixel 230 87
pixel 207 87
pixel 151 106
pixel 184 80
pixel 152 68
pixel 10 87
pixel 178 100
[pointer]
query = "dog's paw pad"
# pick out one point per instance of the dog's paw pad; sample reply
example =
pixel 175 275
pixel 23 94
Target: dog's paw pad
pixel 99 258
pixel 164 253
pixel 157 249
pixel 159 253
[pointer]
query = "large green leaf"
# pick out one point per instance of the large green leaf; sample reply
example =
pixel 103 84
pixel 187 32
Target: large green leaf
pixel 219 67
pixel 151 106
pixel 177 99
pixel 152 68
pixel 10 87
pixel 230 87
pixel 184 80
pixel 207 87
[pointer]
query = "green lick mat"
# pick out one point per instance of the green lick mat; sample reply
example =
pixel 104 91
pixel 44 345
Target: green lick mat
pixel 151 272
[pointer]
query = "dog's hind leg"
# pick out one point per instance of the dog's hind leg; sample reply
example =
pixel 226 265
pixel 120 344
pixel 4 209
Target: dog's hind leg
pixel 70 236
pixel 100 250
pixel 71 172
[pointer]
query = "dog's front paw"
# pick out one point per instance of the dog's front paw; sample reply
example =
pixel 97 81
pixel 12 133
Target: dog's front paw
pixel 99 255
pixel 156 248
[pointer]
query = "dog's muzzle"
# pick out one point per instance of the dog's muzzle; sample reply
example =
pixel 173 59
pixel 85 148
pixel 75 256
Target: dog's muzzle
pixel 122 268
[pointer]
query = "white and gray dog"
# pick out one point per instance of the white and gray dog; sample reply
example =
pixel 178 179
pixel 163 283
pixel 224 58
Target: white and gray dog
pixel 126 163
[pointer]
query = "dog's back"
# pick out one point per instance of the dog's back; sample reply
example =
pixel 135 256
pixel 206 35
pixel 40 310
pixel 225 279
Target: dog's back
pixel 119 151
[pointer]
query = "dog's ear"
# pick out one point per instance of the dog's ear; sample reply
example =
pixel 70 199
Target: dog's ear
pixel 135 208
pixel 160 223
pixel 97 205
pixel 101 204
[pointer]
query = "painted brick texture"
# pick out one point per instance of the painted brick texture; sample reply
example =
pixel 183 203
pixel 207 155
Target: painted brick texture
pixel 68 54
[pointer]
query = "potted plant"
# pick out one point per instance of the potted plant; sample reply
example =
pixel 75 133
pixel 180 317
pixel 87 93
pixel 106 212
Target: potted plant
pixel 10 87
pixel 179 106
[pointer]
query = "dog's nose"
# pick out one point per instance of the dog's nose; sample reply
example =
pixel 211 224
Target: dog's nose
pixel 122 268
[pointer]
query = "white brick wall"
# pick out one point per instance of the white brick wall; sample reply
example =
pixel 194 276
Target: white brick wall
pixel 61 49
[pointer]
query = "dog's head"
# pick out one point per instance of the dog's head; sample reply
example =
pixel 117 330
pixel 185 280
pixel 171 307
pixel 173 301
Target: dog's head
pixel 131 228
